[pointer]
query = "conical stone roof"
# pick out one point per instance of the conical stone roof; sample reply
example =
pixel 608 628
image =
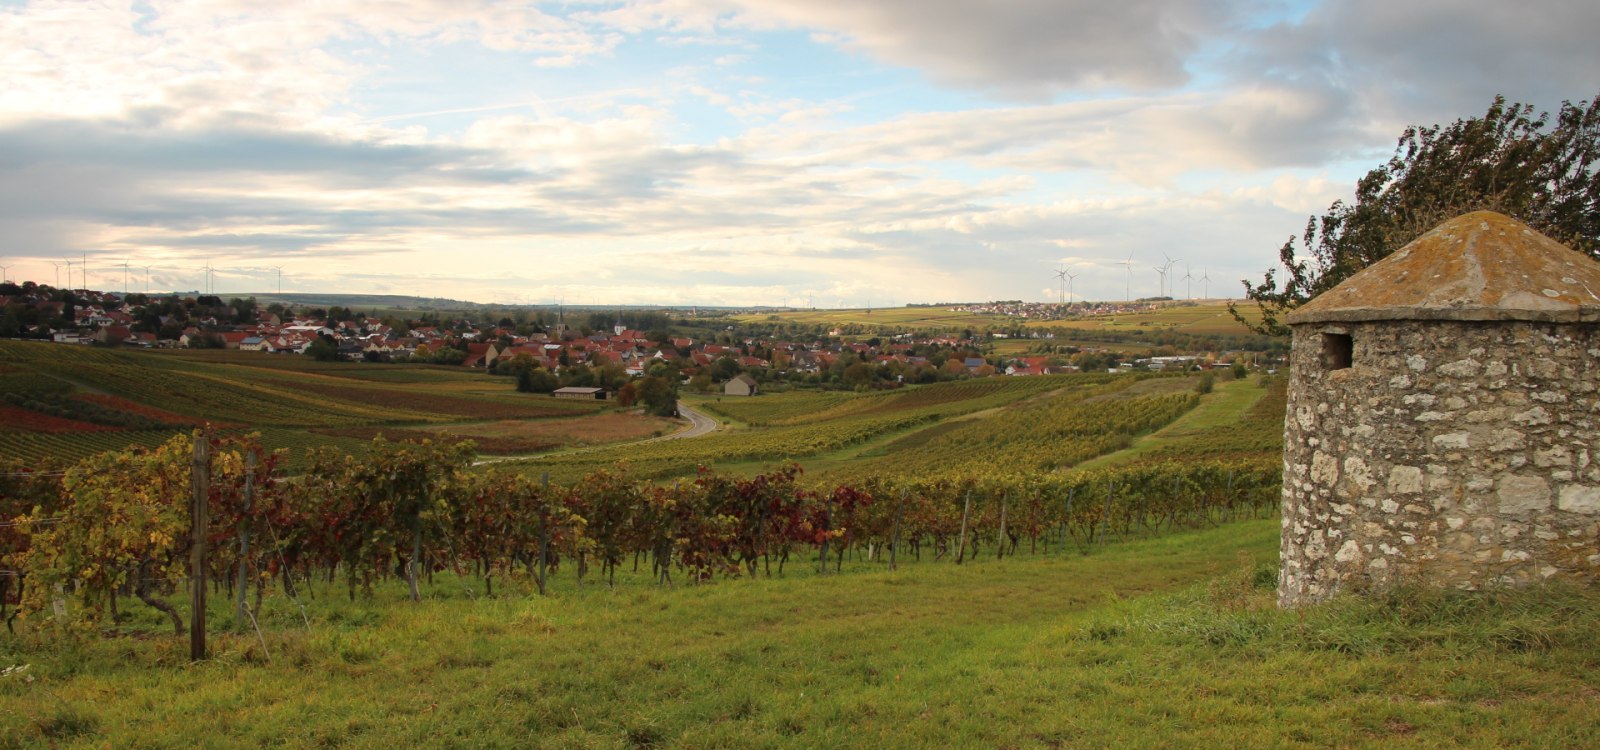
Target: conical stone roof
pixel 1479 266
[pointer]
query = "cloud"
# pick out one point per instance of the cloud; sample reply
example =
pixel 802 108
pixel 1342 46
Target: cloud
pixel 1427 61
pixel 1020 48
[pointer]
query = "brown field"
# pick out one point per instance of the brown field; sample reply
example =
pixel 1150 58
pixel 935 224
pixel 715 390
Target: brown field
pixel 487 445
pixel 599 429
pixel 454 406
pixel 160 415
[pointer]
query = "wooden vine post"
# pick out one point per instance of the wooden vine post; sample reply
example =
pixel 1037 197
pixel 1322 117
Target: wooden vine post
pixel 199 482
pixel 544 528
pixel 1000 552
pixel 242 577
pixel 894 536
pixel 961 548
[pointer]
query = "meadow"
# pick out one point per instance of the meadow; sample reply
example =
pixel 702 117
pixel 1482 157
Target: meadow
pixel 1169 642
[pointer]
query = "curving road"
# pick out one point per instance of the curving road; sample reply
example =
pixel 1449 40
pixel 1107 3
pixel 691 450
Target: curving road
pixel 699 424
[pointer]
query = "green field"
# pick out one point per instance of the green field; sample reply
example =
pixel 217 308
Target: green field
pixel 1163 643
pixel 898 318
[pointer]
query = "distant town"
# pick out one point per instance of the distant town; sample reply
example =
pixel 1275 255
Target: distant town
pixel 594 351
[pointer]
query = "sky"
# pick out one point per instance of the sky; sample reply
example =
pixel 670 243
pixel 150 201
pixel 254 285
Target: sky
pixel 826 153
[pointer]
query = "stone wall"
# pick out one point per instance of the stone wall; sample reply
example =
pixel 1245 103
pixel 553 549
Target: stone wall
pixel 1455 453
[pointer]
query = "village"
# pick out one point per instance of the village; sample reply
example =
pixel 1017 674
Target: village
pixel 547 355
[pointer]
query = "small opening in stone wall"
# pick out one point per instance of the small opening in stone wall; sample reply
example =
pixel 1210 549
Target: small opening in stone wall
pixel 1337 348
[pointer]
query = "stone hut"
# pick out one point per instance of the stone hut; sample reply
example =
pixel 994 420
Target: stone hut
pixel 1443 418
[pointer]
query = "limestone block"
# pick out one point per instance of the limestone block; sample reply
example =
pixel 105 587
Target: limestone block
pixel 1506 440
pixel 1555 456
pixel 1519 493
pixel 1578 498
pixel 1451 441
pixel 1405 480
pixel 1461 368
pixel 1535 416
pixel 1324 469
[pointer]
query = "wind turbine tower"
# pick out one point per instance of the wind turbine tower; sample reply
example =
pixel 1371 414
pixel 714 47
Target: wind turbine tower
pixel 1128 291
pixel 1166 269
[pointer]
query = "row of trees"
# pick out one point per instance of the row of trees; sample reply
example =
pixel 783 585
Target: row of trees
pixel 117 525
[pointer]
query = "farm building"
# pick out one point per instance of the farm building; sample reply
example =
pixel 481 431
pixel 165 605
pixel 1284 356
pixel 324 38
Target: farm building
pixel 593 394
pixel 1442 419
pixel 741 385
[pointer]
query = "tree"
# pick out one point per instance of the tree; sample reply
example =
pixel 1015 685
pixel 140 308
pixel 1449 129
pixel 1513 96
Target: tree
pixel 323 350
pixel 1545 173
pixel 659 397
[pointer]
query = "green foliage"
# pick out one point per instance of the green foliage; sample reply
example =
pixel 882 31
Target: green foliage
pixel 323 350
pixel 1543 172
pixel 658 395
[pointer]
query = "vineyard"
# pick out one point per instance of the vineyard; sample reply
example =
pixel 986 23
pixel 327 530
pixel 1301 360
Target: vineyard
pixel 977 469
pixel 388 594
pixel 71 402
pixel 115 524
pixel 790 426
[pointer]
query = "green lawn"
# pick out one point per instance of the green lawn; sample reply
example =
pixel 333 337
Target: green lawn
pixel 1171 642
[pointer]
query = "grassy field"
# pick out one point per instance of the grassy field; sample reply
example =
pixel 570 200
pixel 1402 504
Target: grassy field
pixel 1203 317
pixel 901 318
pixel 1171 642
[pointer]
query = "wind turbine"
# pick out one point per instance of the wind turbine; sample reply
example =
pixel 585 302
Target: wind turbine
pixel 1128 291
pixel 1188 286
pixel 279 269
pixel 1166 269
pixel 1161 290
pixel 206 279
pixel 1061 280
pixel 1205 281
pixel 124 278
pixel 1070 277
pixel 146 279
pixel 57 264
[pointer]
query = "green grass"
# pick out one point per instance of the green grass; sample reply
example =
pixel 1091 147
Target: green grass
pixel 1220 410
pixel 1171 642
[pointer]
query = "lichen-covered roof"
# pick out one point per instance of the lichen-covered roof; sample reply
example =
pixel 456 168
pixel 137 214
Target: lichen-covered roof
pixel 1480 266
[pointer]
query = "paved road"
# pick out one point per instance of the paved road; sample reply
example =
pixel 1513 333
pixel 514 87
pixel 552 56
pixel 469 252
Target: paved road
pixel 699 424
